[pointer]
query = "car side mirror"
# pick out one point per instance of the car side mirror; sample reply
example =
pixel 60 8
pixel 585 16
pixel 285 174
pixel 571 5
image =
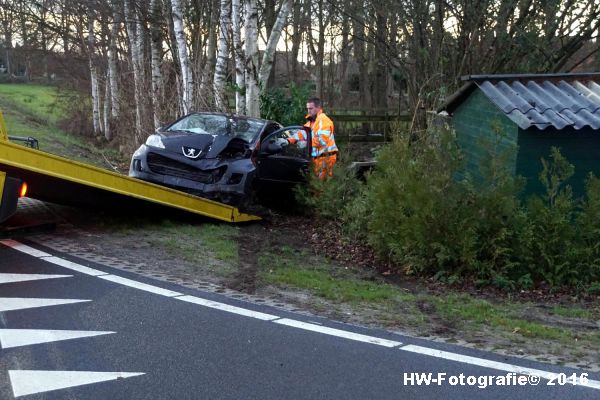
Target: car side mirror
pixel 161 129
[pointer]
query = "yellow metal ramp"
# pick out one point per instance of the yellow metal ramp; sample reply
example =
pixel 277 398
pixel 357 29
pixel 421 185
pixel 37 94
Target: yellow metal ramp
pixel 60 180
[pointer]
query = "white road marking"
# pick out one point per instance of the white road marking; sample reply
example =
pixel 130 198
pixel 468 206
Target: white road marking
pixel 32 381
pixel 24 248
pixel 74 266
pixel 16 303
pixel 13 278
pixel 337 332
pixel 482 362
pixel 7 304
pixel 140 285
pixel 228 308
pixel 25 337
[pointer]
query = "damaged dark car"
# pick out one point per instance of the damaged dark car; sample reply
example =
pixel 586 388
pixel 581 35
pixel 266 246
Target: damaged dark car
pixel 224 157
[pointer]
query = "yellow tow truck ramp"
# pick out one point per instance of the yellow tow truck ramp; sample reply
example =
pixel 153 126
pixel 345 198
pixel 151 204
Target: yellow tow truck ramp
pixel 60 180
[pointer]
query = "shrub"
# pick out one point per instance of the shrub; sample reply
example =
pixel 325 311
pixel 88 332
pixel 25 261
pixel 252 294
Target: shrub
pixel 328 199
pixel 288 108
pixel 588 223
pixel 431 219
pixel 420 210
pixel 552 242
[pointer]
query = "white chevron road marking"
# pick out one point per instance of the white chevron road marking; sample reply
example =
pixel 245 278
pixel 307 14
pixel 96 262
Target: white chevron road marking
pixel 12 278
pixel 16 303
pixel 25 337
pixel 32 381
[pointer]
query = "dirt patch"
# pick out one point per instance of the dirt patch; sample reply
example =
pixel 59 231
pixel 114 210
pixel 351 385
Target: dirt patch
pixel 250 244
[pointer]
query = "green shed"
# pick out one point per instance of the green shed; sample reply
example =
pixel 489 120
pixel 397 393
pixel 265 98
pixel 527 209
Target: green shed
pixel 532 114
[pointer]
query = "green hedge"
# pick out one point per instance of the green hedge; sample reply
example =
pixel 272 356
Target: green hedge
pixel 420 211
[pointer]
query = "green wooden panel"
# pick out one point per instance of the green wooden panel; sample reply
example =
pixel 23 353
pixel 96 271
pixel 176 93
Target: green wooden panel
pixel 581 148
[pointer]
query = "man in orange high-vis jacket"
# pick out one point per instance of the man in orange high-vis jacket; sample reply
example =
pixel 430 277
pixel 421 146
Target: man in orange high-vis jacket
pixel 324 149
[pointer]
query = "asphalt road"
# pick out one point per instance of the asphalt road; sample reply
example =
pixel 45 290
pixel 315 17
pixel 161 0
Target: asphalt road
pixel 90 334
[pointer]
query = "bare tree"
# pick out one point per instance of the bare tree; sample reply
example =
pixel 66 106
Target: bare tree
pixel 156 58
pixel 269 53
pixel 187 84
pixel 251 63
pixel 426 45
pixel 93 76
pixel 256 75
pixel 113 73
pixel 238 55
pixel 136 50
pixel 222 56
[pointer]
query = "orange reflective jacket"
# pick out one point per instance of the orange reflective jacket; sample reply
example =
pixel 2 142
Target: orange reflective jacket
pixel 323 141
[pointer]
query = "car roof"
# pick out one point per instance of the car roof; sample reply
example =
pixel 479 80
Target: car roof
pixel 230 115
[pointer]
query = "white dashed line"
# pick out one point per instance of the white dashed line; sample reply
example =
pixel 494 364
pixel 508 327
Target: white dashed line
pixel 337 332
pixel 226 307
pixel 74 266
pixel 139 285
pixel 481 362
pixel 24 248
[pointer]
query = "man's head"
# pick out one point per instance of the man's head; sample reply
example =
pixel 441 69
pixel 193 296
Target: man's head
pixel 313 106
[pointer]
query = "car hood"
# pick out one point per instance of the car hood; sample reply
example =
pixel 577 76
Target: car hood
pixel 189 144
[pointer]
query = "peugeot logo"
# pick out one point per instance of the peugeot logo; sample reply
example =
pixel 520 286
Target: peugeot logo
pixel 191 152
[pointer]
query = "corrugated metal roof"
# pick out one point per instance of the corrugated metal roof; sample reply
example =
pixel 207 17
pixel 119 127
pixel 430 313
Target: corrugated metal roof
pixel 557 101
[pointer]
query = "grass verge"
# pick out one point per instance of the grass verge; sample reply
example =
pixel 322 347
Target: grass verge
pixel 569 332
pixel 34 110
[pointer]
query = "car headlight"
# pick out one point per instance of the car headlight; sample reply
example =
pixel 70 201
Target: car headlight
pixel 155 141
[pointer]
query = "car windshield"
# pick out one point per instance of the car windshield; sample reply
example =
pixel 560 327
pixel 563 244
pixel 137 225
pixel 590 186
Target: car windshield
pixel 214 124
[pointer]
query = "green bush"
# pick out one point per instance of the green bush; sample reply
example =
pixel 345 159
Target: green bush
pixel 287 107
pixel 329 199
pixel 420 211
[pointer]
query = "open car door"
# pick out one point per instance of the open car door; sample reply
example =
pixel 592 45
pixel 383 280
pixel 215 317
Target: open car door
pixel 282 162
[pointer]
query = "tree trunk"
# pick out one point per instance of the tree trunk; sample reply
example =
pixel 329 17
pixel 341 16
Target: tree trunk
pixel 7 27
pixel 251 65
pixel 381 71
pixel 115 109
pixel 268 56
pixel 93 77
pixel 269 16
pixel 176 64
pixel 222 57
pixel 238 53
pixel 187 83
pixel 296 38
pixel 107 113
pixel 360 56
pixel 344 59
pixel 156 56
pixel 206 86
pixel 320 58
pixel 138 73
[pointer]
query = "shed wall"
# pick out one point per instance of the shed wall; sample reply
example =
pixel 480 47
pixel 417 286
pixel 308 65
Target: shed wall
pixel 580 147
pixel 477 121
